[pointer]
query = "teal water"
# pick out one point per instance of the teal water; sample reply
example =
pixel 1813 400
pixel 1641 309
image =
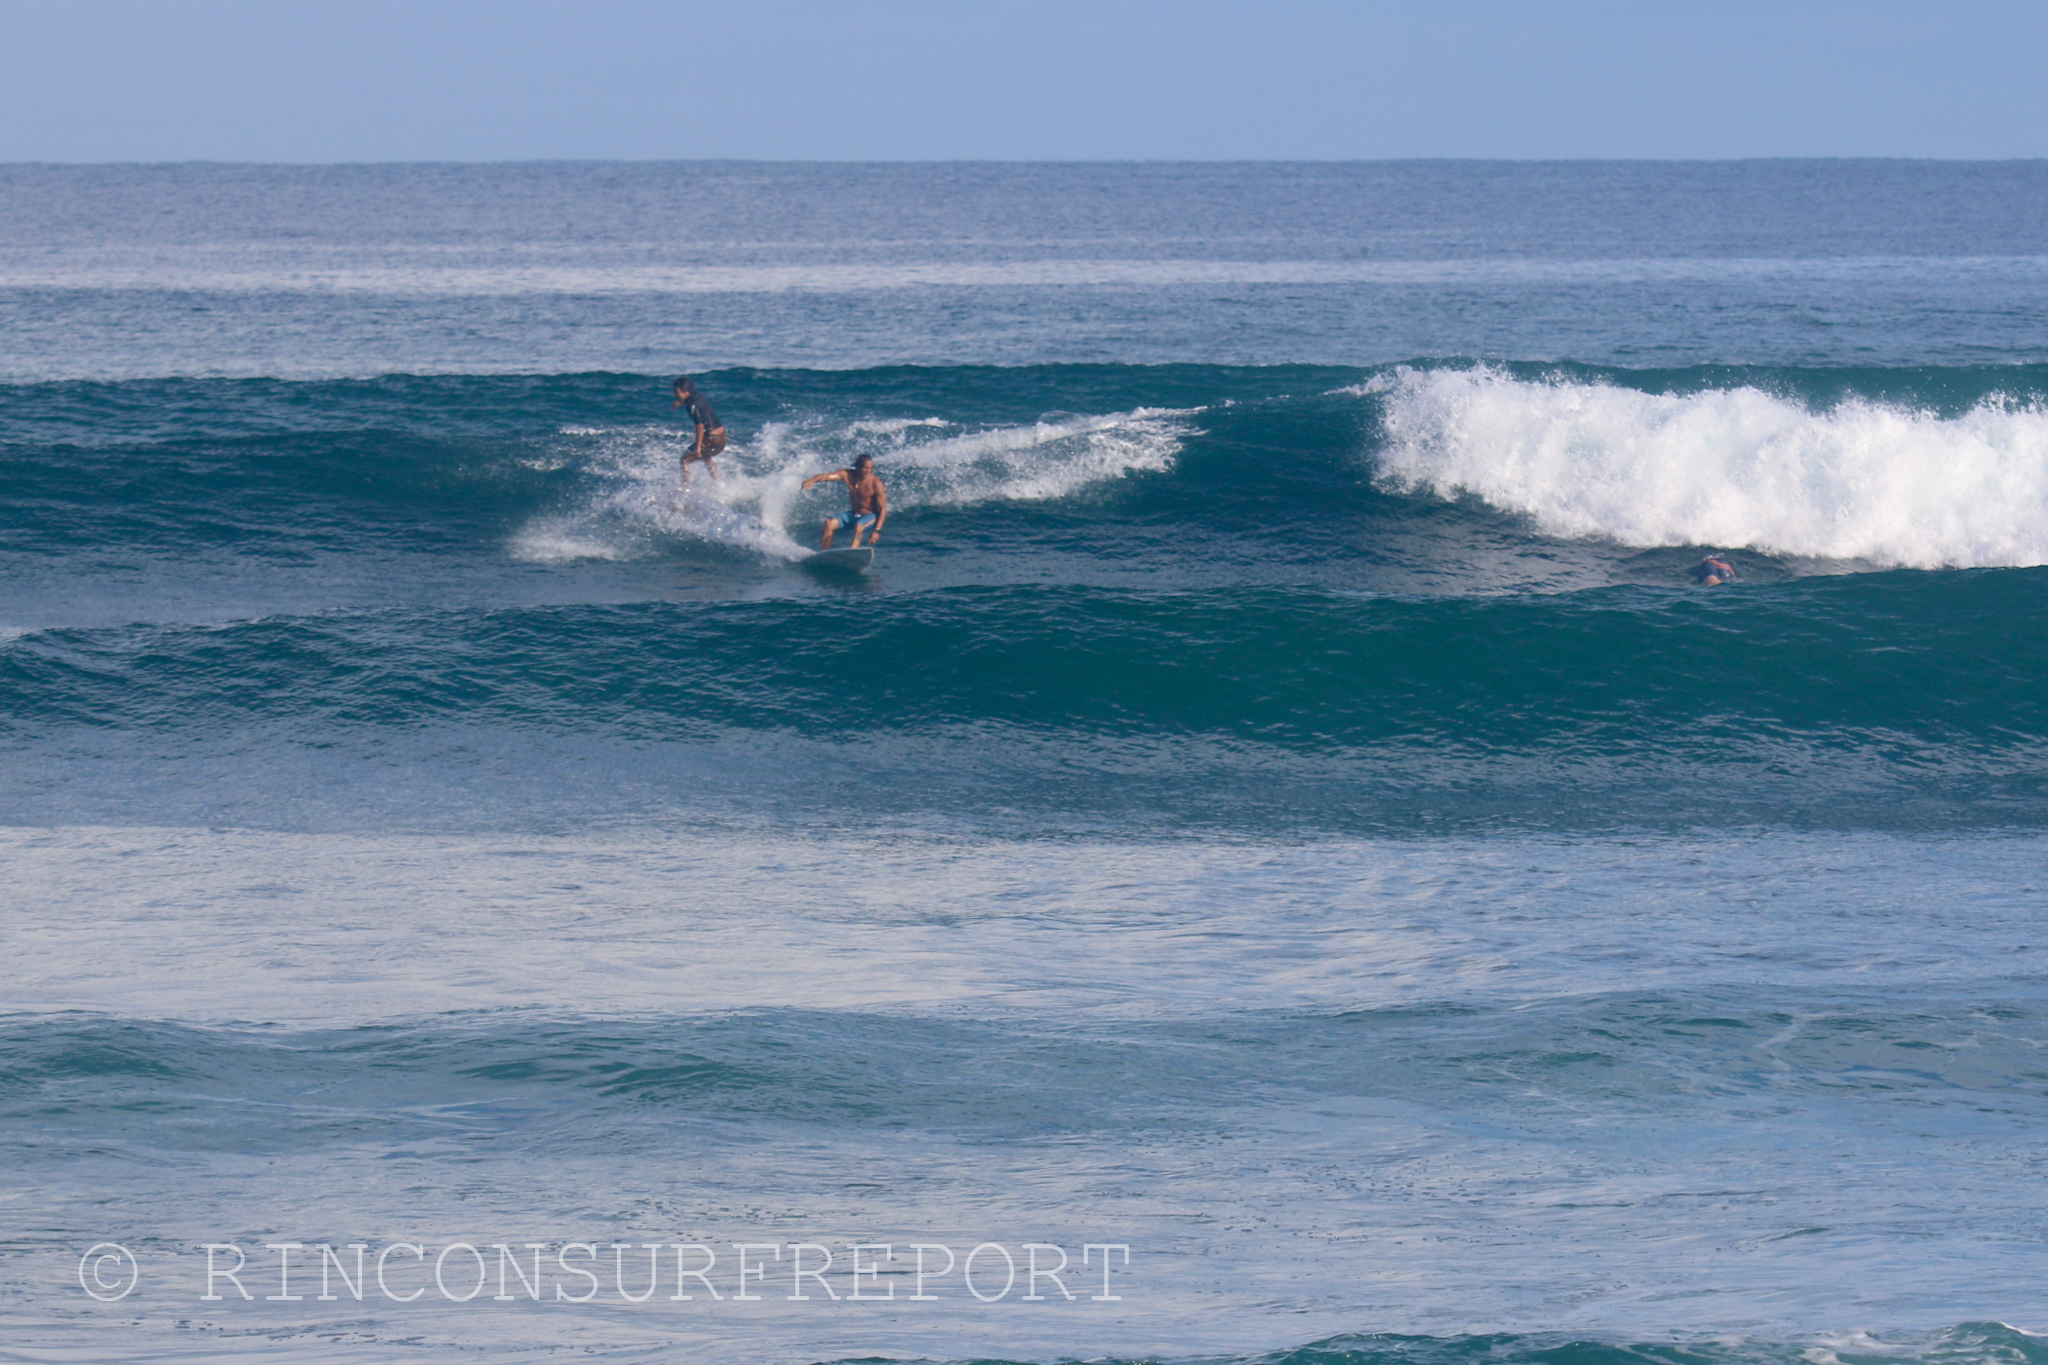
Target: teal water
pixel 1241 573
pixel 1280 803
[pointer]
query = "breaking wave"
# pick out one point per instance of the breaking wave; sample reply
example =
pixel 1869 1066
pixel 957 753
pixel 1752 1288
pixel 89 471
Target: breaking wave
pixel 1861 480
pixel 758 504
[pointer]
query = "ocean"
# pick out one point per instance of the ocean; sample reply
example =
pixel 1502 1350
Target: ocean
pixel 1278 862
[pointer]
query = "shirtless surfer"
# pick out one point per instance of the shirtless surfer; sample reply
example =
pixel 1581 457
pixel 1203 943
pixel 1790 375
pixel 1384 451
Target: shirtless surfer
pixel 710 431
pixel 868 502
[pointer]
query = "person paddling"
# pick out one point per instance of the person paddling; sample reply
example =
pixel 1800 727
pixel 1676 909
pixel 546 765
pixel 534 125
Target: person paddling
pixel 868 501
pixel 710 431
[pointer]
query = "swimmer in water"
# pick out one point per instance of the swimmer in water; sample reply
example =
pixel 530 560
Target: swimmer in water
pixel 1713 571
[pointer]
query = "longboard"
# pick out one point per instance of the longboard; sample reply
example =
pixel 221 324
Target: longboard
pixel 841 561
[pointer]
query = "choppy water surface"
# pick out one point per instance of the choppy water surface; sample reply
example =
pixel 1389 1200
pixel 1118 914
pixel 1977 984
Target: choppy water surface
pixel 1279 805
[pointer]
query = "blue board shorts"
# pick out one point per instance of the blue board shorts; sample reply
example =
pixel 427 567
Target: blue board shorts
pixel 856 521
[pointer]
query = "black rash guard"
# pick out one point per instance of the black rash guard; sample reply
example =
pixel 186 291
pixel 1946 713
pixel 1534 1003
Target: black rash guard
pixel 701 411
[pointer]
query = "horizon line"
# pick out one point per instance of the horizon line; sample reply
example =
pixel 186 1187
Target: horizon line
pixel 1045 161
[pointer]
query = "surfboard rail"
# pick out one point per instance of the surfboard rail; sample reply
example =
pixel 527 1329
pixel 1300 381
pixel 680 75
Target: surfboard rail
pixel 840 561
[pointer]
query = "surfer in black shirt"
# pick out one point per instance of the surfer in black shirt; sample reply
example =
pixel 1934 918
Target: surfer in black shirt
pixel 710 431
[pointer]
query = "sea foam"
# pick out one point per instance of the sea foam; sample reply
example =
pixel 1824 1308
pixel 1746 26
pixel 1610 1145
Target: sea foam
pixel 1861 481
pixel 758 503
pixel 1040 462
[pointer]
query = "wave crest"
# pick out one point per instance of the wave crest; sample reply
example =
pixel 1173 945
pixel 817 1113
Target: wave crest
pixel 633 507
pixel 1728 467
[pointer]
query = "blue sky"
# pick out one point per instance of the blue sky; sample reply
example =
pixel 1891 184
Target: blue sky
pixel 373 80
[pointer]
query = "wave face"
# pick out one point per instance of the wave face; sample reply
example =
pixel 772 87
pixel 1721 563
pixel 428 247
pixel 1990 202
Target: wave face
pixel 1418 596
pixel 931 465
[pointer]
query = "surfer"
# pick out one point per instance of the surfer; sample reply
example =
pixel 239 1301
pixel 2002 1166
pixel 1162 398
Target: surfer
pixel 1713 571
pixel 868 501
pixel 710 431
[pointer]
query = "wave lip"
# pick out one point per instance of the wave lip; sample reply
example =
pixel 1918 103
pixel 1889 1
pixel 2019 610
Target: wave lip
pixel 1862 481
pixel 758 504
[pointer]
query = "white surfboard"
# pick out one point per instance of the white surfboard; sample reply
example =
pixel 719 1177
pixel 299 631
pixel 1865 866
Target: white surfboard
pixel 842 561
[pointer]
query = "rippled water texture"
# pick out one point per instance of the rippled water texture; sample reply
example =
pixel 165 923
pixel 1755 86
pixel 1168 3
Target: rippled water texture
pixel 1280 803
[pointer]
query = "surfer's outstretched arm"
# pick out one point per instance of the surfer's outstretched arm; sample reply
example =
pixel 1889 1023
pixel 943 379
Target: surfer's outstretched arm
pixel 829 476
